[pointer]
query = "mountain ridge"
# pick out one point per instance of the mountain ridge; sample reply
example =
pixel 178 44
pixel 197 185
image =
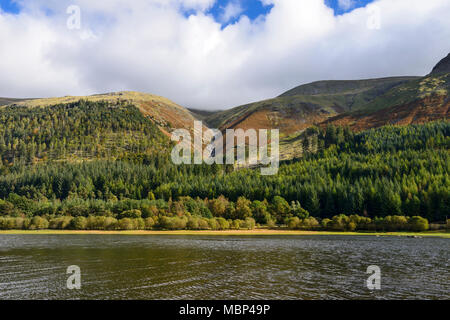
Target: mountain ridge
pixel 306 105
pixel 442 66
pixel 340 86
pixel 162 111
pixel 332 101
pixel 359 104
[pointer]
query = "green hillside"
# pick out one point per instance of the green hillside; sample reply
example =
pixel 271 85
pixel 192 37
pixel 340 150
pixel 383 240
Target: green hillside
pixel 298 104
pixel 82 130
pixel 325 98
pixel 347 100
pixel 340 87
pixel 376 173
pixel 419 88
pixel 103 162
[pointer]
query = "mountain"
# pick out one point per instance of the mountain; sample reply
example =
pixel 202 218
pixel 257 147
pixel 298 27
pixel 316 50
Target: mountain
pixel 306 105
pixel 202 115
pixel 289 114
pixel 78 130
pixel 149 111
pixel 418 101
pixel 358 104
pixel 371 87
pixel 443 66
pixel 106 157
pixel 165 113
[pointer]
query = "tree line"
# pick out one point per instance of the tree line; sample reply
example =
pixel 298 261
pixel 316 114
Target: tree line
pixel 389 171
pixel 79 130
pixel 18 212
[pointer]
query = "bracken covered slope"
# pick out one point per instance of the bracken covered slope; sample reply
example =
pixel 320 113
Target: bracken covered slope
pixel 165 113
pixel 419 101
pixel 358 104
pixel 306 105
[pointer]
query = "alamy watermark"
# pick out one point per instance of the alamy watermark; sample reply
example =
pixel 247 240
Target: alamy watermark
pixel 374 280
pixel 374 19
pixel 74 20
pixel 242 148
pixel 74 280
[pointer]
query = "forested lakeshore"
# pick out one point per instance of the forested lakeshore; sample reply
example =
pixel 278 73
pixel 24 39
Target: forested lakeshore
pixel 103 166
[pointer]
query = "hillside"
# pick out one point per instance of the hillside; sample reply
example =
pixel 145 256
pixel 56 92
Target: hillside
pixel 371 87
pixel 5 101
pixel 107 157
pixel 165 113
pixel 359 104
pixel 443 66
pixel 306 105
pixel 289 114
pixel 202 115
pixel 81 130
pixel 418 101
pixel 375 173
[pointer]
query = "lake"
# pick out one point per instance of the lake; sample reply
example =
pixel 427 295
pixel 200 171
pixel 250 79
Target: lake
pixel 223 267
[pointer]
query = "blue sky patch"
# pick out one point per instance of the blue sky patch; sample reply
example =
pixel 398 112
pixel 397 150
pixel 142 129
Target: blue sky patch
pixel 229 11
pixel 343 6
pixel 9 6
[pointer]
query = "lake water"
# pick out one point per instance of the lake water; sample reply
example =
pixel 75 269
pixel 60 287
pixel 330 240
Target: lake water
pixel 223 267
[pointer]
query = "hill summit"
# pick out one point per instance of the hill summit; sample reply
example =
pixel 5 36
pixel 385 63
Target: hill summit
pixel 443 66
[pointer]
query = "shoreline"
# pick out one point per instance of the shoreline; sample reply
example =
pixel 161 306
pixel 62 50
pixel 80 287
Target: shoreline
pixel 255 232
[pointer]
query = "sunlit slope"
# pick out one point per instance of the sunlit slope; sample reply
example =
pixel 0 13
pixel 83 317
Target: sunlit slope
pixel 418 101
pixel 79 130
pixel 306 105
pixel 164 112
pixel 362 90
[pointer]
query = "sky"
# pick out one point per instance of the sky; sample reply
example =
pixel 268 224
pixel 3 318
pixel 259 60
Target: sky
pixel 212 54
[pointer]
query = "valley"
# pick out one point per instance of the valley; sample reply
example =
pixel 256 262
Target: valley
pixel 102 162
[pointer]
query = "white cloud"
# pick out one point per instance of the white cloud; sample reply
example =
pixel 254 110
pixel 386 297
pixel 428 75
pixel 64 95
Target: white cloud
pixel 232 10
pixel 346 4
pixel 201 5
pixel 151 46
